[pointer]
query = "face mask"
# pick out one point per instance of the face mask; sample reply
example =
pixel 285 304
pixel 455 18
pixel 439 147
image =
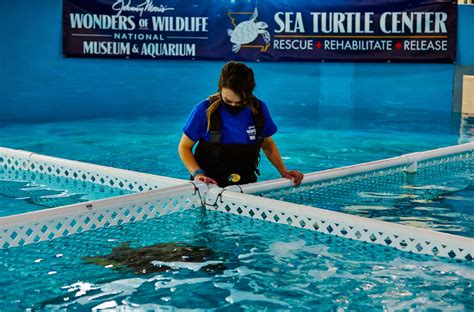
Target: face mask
pixel 233 110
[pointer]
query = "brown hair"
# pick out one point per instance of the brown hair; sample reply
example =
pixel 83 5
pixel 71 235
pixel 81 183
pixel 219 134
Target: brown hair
pixel 239 78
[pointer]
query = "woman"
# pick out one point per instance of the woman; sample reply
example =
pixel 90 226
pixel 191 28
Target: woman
pixel 231 127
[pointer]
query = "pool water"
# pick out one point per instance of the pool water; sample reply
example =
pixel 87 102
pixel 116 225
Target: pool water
pixel 267 266
pixel 309 138
pixel 22 191
pixel 450 213
pixel 264 266
pixel 438 197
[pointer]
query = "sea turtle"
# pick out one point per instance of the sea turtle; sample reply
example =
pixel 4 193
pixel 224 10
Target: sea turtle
pixel 143 260
pixel 246 32
pixel 153 259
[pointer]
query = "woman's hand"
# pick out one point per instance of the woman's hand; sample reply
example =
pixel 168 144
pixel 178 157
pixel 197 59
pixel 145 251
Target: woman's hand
pixel 271 151
pixel 293 174
pixel 203 178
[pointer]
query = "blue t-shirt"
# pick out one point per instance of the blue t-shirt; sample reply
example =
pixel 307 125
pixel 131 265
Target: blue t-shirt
pixel 235 129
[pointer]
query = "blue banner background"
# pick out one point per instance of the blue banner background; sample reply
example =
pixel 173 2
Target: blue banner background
pixel 260 38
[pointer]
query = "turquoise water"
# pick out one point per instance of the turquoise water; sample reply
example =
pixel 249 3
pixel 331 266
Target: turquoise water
pixel 438 197
pixel 263 266
pixel 310 138
pixel 22 191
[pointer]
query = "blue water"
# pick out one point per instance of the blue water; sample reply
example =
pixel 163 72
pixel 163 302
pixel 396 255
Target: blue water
pixel 22 191
pixel 264 266
pixel 438 197
pixel 267 266
pixel 310 138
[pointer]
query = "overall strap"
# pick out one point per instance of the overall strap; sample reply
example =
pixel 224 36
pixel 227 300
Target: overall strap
pixel 259 123
pixel 216 126
pixel 215 131
pixel 215 136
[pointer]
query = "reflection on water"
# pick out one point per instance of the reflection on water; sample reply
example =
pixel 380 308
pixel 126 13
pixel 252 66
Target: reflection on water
pixel 449 211
pixel 438 197
pixel 310 137
pixel 22 191
pixel 266 267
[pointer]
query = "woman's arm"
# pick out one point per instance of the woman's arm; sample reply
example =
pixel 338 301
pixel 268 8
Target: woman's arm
pixel 273 154
pixel 185 151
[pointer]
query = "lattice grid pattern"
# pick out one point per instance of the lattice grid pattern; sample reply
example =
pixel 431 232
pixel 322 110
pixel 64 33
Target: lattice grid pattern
pixel 405 238
pixel 364 189
pixel 9 161
pixel 61 183
pixel 55 227
pixel 340 225
pixel 439 161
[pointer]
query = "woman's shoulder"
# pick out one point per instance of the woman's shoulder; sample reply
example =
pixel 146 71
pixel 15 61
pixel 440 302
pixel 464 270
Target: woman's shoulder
pixel 261 102
pixel 263 105
pixel 203 105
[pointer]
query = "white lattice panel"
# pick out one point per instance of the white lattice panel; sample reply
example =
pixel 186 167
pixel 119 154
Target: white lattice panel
pixel 346 190
pixel 107 176
pixel 405 238
pixel 61 183
pixel 333 182
pixel 446 160
pixel 367 175
pixel 364 171
pixel 49 224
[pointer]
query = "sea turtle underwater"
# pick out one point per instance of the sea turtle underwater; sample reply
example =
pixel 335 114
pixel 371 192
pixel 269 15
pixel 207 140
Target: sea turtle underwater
pixel 246 32
pixel 153 259
pixel 142 260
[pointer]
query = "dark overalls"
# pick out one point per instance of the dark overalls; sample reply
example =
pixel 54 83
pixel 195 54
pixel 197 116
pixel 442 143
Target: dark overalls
pixel 230 164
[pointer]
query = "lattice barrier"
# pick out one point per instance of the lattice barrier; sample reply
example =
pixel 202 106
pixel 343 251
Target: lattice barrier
pixel 57 182
pixel 49 224
pixel 405 238
pixel 389 187
pixel 391 170
pixel 52 223
pixel 112 177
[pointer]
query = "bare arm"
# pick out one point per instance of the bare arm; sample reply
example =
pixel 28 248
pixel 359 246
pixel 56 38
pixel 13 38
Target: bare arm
pixel 185 151
pixel 273 154
pixel 185 148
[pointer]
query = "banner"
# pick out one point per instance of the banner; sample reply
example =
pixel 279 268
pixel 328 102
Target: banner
pixel 265 30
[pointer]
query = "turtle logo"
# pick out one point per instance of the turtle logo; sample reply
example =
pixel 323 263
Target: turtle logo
pixel 247 31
